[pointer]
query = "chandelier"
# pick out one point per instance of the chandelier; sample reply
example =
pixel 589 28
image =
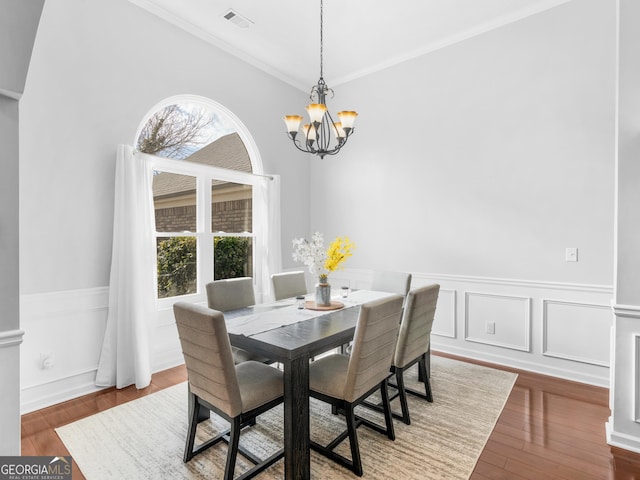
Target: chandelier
pixel 322 136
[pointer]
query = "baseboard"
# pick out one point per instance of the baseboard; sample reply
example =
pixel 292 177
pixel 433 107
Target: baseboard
pixel 57 391
pixel 621 440
pixel 598 381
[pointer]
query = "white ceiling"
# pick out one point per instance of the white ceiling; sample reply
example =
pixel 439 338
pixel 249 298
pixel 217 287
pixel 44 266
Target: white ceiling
pixel 360 36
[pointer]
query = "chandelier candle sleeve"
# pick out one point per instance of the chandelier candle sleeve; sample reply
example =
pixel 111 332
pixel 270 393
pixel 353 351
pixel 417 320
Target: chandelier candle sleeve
pixel 293 123
pixel 316 112
pixel 347 118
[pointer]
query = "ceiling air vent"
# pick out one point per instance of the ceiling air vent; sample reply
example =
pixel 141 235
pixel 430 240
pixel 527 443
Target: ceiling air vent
pixel 237 19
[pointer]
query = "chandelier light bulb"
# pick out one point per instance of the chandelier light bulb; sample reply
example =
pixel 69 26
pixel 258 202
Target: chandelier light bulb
pixel 309 132
pixel 339 131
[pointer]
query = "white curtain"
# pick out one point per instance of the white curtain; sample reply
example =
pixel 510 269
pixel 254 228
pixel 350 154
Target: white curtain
pixel 269 242
pixel 125 357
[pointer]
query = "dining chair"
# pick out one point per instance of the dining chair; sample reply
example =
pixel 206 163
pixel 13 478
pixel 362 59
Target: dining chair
pixel 394 282
pixel 345 381
pixel 387 281
pixel 288 284
pixel 413 346
pixel 231 294
pixel 237 393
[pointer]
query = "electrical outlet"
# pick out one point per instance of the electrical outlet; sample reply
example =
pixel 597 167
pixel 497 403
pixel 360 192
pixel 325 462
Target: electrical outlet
pixel 47 360
pixel 490 328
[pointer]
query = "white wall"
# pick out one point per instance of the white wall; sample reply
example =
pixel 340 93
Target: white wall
pixel 476 166
pixel 97 68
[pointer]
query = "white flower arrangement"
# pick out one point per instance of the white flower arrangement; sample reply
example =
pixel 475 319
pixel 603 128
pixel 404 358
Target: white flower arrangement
pixel 311 253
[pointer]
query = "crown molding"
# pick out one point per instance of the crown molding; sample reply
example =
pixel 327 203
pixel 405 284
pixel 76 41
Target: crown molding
pixel 426 49
pixel 216 42
pixel 453 39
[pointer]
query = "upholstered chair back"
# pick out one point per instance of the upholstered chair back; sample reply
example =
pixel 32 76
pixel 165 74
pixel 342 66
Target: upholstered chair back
pixel 230 294
pixel 207 354
pixel 288 284
pixel 415 330
pixel 393 282
pixel 374 342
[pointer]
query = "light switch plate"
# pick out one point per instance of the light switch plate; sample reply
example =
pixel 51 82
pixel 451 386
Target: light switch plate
pixel 571 254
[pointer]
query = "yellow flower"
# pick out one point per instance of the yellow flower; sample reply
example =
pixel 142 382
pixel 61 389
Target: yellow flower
pixel 339 250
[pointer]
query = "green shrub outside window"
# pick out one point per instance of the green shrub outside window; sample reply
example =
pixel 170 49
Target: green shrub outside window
pixel 177 263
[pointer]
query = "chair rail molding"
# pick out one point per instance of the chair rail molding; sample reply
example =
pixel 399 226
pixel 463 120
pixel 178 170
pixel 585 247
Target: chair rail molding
pixel 628 311
pixel 10 338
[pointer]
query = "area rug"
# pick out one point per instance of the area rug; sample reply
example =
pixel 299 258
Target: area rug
pixel 144 439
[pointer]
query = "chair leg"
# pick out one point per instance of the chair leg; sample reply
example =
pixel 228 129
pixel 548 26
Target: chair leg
pixel 194 410
pixel 403 396
pixel 388 418
pixel 232 452
pixel 422 369
pixel 353 439
pixel 426 360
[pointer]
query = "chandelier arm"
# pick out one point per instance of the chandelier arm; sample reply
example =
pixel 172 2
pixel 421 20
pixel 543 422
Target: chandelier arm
pixel 298 145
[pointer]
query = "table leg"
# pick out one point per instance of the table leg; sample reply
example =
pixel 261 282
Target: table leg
pixel 297 463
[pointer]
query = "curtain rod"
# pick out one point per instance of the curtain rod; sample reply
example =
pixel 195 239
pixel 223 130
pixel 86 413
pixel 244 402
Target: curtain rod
pixel 270 177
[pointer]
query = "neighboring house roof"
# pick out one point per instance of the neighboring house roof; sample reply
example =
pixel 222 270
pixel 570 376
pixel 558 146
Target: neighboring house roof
pixel 226 152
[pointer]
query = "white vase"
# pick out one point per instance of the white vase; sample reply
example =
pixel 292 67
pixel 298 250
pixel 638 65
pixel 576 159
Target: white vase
pixel 323 293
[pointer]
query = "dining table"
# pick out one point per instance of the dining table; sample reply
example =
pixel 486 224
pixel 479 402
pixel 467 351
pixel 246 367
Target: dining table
pixel 292 336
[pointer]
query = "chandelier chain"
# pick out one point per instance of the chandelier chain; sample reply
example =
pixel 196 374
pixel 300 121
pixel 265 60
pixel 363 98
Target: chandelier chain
pixel 321 41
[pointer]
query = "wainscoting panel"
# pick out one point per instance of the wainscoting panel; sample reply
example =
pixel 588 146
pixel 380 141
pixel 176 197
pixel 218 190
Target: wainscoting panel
pixel 63 333
pixel 444 323
pixel 636 379
pixel 574 331
pixel 500 320
pixel 521 321
pixel 62 343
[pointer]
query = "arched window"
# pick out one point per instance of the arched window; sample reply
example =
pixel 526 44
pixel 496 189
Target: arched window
pixel 206 170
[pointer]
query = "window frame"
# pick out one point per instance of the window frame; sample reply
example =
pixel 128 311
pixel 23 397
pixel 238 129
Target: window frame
pixel 204 175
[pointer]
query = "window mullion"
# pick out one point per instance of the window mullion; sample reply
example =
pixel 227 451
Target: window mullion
pixel 205 237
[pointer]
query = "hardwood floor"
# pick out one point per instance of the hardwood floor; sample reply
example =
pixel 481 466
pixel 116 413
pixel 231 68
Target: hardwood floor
pixel 549 429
